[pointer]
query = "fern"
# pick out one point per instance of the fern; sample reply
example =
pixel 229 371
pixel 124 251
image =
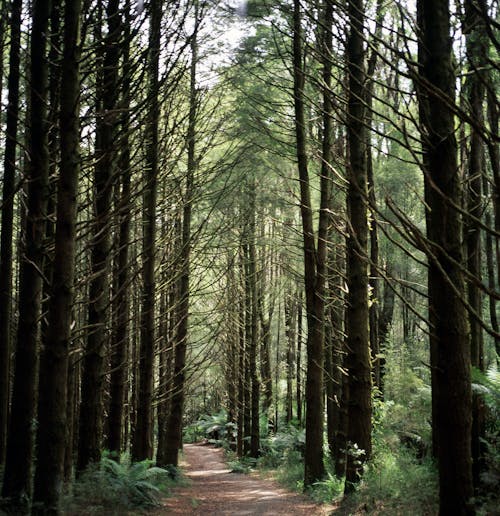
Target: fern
pixel 116 488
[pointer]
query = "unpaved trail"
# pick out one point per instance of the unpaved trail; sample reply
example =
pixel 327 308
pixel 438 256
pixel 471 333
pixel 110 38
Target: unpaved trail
pixel 214 490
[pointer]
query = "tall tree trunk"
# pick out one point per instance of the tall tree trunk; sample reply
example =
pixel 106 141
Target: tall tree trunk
pixel 290 321
pixel 298 361
pixel 91 420
pixel 52 418
pixel 252 277
pixel 8 192
pixel 357 362
pixel 143 438
pixel 374 246
pixel 247 392
pixel 265 349
pixel 451 354
pixel 241 365
pixel 19 459
pixel 174 427
pixel 477 58
pixel 121 311
pixel 314 267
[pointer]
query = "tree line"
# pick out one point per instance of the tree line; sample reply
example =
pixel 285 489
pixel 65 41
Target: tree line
pixel 181 233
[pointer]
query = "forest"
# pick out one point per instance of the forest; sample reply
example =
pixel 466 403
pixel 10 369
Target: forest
pixel 272 226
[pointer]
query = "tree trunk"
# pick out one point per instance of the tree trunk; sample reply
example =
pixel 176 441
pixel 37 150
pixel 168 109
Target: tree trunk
pixel 298 361
pixel 121 310
pixel 290 321
pixel 174 427
pixel 374 246
pixel 314 269
pixel 19 458
pixel 252 276
pixel 52 419
pixel 91 420
pixel 241 365
pixel 357 362
pixel 385 321
pixel 477 58
pixel 451 347
pixel 8 191
pixel 143 438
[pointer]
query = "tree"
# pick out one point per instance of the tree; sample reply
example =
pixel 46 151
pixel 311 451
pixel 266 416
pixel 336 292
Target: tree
pixel 314 264
pixel 357 362
pixel 121 310
pixel 52 418
pixel 174 424
pixel 477 57
pixel 450 353
pixel 91 420
pixel 143 437
pixel 19 459
pixel 8 193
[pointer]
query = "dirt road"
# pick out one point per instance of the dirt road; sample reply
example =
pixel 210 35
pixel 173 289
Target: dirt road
pixel 214 490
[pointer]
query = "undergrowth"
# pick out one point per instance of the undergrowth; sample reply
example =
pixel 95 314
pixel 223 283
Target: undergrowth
pixel 112 488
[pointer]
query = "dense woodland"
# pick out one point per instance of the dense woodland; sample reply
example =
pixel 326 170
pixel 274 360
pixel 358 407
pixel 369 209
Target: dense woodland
pixel 275 221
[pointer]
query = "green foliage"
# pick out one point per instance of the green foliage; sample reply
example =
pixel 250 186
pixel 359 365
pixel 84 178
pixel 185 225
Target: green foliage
pixel 400 477
pixel 116 488
pixel 276 448
pixel 328 489
pixel 242 465
pixel 215 428
pixel 291 471
pixel 395 482
pixel 488 386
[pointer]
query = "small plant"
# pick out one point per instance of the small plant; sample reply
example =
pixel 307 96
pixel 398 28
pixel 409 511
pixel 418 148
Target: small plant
pixel 115 488
pixel 327 490
pixel 243 465
pixel 215 428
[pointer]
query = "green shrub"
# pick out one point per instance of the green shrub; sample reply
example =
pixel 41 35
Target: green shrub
pixel 242 465
pixel 214 427
pixel 291 472
pixel 327 490
pixel 116 488
pixel 396 478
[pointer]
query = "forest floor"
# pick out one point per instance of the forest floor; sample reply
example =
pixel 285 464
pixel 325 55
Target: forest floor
pixel 214 490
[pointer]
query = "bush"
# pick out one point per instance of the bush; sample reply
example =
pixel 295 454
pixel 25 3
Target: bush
pixel 327 490
pixel 275 448
pixel 215 428
pixel 116 488
pixel 395 479
pixel 242 465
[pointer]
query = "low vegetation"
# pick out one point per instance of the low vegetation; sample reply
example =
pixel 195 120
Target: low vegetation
pixel 112 488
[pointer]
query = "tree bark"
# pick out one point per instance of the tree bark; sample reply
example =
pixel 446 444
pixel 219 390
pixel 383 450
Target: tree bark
pixel 450 352
pixel 357 362
pixel 314 268
pixel 174 427
pixel 121 309
pixel 143 438
pixel 477 58
pixel 52 419
pixel 8 192
pixel 19 458
pixel 91 420
pixel 252 277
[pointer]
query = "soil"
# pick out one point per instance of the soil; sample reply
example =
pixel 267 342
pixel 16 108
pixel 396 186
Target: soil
pixel 214 490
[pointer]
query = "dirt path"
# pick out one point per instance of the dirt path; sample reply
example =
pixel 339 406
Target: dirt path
pixel 214 490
